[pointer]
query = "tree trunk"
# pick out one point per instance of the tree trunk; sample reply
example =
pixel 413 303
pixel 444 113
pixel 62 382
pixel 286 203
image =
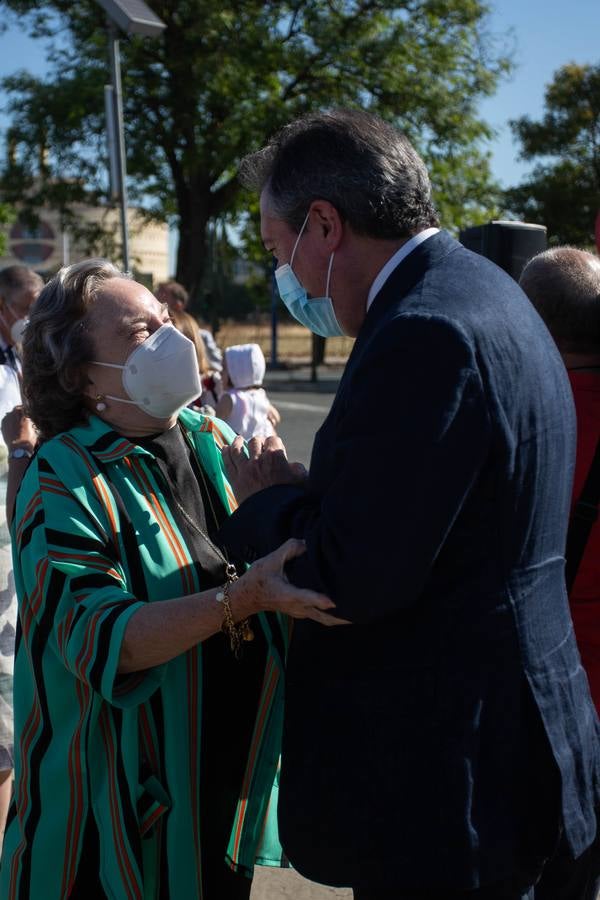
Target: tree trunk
pixel 192 249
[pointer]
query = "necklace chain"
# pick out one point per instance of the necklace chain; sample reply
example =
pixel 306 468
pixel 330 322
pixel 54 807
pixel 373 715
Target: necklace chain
pixel 230 569
pixel 243 630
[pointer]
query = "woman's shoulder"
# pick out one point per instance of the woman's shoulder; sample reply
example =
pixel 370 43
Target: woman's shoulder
pixel 63 463
pixel 48 479
pixel 65 445
pixel 51 450
pixel 196 423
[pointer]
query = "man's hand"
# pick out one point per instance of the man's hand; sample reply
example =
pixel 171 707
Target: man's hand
pixel 265 465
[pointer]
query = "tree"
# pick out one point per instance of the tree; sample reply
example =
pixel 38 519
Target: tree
pixel 563 191
pixel 7 216
pixel 225 76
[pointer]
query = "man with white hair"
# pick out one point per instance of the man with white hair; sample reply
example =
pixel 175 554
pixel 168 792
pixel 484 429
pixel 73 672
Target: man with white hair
pixel 19 287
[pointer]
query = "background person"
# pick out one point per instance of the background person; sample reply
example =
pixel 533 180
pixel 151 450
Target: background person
pixel 143 760
pixel 211 380
pixel 177 297
pixel 19 287
pixel 20 438
pixel 564 286
pixel 439 746
pixel 244 403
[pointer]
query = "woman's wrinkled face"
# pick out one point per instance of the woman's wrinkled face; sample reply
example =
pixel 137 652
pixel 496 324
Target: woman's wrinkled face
pixel 123 316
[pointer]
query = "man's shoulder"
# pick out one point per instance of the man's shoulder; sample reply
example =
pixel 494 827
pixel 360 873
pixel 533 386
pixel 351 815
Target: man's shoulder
pixel 442 277
pixel 464 273
pixel 422 328
pixel 469 293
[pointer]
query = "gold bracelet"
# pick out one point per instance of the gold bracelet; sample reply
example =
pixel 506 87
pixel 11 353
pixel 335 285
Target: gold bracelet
pixel 237 633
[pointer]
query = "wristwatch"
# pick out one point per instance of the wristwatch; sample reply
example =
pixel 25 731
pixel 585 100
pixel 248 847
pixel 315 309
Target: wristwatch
pixel 20 453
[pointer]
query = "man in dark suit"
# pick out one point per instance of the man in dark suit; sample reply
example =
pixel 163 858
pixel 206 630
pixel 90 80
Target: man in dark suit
pixel 440 744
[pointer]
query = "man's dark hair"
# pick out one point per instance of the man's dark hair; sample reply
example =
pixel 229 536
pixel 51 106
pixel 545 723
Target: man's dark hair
pixel 14 279
pixel 362 165
pixel 563 284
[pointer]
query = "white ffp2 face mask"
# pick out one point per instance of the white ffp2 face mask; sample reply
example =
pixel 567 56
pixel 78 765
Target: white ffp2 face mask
pixel 161 375
pixel 17 328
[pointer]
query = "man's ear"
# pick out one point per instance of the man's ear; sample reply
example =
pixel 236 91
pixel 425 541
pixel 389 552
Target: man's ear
pixel 327 224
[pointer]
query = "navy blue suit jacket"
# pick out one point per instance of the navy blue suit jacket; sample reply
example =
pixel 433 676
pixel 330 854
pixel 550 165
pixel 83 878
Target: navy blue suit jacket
pixel 441 739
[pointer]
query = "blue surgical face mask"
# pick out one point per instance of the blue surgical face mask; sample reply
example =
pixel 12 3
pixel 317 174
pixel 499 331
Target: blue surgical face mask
pixel 317 314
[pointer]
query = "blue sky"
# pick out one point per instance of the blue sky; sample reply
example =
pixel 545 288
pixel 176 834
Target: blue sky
pixel 545 35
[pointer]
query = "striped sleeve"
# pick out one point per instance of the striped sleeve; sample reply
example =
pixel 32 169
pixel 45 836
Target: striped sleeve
pixel 72 585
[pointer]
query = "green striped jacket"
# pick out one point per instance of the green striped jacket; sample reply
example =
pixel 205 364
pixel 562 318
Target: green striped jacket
pixel 80 728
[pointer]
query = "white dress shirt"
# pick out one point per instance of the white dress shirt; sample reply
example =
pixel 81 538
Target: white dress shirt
pixel 384 273
pixel 10 388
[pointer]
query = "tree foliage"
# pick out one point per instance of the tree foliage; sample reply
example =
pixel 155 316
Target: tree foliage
pixel 7 216
pixel 225 76
pixel 563 191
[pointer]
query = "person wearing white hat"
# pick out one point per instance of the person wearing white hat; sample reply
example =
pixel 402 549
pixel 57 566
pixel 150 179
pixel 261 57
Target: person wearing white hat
pixel 244 404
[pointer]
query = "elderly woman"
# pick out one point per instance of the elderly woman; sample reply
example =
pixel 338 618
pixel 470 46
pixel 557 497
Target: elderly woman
pixel 147 685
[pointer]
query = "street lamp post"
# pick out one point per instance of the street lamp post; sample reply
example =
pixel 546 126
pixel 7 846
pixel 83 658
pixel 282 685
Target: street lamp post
pixel 131 17
pixel 119 166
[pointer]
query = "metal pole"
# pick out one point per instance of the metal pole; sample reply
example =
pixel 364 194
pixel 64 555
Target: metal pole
pixel 115 65
pixel 111 142
pixel 66 250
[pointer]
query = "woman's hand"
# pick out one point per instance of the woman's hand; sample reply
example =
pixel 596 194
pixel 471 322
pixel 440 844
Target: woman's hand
pixel 273 416
pixel 264 465
pixel 18 430
pixel 265 587
pixel 158 632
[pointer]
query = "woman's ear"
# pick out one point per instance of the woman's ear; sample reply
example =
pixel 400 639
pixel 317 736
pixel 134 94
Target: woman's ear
pixel 78 380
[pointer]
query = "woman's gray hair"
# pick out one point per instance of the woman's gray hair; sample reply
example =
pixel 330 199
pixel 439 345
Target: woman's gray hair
pixel 362 165
pixel 57 345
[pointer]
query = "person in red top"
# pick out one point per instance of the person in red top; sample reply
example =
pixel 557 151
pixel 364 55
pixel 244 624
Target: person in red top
pixel 564 285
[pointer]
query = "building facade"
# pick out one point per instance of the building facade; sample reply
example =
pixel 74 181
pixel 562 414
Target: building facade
pixel 47 247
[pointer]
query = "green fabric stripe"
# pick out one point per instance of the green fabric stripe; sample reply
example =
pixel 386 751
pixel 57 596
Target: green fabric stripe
pixel 75 515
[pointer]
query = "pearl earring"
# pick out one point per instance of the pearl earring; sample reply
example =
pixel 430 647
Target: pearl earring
pixel 100 405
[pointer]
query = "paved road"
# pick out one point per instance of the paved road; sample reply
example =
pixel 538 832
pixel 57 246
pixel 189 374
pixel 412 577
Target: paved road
pixel 281 884
pixel 301 416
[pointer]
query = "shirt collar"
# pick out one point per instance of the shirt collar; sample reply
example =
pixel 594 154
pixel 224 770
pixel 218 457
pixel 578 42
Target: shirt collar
pixel 109 446
pixel 395 260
